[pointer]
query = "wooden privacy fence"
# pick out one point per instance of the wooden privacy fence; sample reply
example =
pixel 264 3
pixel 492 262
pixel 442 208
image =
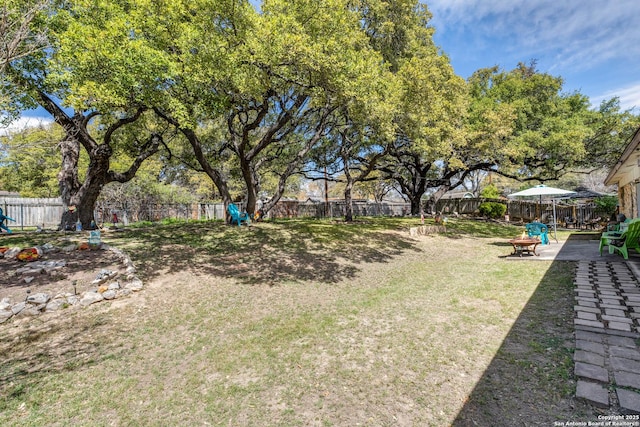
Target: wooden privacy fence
pixel 47 213
pixel 525 210
pixel 283 209
pixel 153 212
pixel 32 212
pixel 337 208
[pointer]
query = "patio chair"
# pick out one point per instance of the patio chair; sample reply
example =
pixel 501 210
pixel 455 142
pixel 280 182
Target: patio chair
pixel 594 223
pixel 630 239
pixel 568 221
pixel 539 230
pixel 237 216
pixel 3 226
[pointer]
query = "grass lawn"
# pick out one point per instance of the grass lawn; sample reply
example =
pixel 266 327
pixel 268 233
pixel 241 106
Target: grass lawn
pixel 306 323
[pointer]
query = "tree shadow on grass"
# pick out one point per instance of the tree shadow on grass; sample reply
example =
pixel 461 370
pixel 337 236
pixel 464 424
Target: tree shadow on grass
pixel 531 380
pixel 264 252
pixel 296 251
pixel 75 340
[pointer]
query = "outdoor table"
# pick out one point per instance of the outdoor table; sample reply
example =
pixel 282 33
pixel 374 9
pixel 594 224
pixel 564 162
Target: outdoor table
pixel 526 244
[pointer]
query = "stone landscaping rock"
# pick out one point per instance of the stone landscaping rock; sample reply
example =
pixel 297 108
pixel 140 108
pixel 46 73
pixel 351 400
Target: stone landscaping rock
pixel 48 248
pixel 29 310
pixel 91 298
pixel 104 276
pixel 41 302
pixel 39 298
pixel 134 285
pixel 12 252
pixel 55 304
pixel 424 230
pixel 123 292
pixel 18 307
pixel 69 248
pixel 109 294
pixel 5 315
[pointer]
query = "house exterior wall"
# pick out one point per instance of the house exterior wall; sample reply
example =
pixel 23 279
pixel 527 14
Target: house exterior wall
pixel 626 174
pixel 627 194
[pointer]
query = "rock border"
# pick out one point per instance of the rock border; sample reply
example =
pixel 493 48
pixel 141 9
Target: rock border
pixel 425 230
pixel 106 287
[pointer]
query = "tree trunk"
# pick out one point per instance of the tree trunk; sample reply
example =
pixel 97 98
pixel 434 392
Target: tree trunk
pixel 86 206
pixel 252 194
pixel 83 195
pixel 68 181
pixel 348 198
pixel 442 190
pixel 348 202
pixel 216 176
pixel 415 205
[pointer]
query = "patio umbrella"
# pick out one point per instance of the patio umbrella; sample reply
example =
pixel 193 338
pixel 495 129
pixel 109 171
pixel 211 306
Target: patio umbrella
pixel 543 190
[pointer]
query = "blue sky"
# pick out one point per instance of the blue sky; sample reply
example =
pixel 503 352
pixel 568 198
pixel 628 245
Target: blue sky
pixel 593 44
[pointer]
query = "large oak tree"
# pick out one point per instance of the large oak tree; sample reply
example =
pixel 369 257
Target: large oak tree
pixel 92 78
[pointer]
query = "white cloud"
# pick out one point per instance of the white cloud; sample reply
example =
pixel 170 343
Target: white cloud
pixel 629 97
pixel 581 33
pixel 24 123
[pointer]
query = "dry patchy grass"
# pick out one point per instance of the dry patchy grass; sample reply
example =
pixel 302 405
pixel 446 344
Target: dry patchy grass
pixel 306 324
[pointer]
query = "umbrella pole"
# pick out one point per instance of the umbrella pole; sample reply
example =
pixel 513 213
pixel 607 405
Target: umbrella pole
pixel 555 221
pixel 540 207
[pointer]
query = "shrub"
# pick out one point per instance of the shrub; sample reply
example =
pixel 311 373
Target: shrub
pixel 606 205
pixel 492 209
pixel 490 192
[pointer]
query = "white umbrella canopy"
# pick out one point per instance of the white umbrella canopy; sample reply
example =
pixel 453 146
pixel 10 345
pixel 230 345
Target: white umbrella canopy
pixel 543 190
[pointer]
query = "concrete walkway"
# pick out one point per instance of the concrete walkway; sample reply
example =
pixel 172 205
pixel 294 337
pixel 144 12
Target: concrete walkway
pixel 574 249
pixel 607 323
pixel 607 357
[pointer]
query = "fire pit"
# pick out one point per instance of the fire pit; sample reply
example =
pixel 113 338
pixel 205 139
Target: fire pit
pixel 524 244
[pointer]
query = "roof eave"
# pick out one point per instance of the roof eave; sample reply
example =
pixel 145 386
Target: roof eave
pixel 633 145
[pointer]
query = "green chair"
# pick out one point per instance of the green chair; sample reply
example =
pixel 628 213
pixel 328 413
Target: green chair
pixel 622 243
pixel 614 233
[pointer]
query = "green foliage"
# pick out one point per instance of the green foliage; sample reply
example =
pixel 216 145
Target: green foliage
pixel 147 188
pixel 490 192
pixel 492 209
pixel 606 205
pixel 612 129
pixel 257 88
pixel 29 163
pixel 522 122
pixel 24 35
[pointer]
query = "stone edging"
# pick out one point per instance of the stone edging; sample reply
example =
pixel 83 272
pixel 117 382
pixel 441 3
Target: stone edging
pixel 105 288
pixel 424 230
